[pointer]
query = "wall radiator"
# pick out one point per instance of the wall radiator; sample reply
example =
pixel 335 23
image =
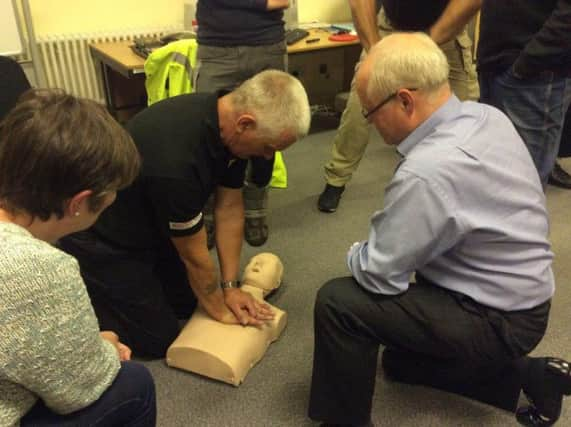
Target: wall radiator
pixel 68 63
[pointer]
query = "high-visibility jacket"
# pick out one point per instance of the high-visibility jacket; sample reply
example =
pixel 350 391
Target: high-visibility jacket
pixel 169 70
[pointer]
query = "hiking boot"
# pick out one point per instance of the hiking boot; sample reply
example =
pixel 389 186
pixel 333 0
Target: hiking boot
pixel 256 231
pixel 329 199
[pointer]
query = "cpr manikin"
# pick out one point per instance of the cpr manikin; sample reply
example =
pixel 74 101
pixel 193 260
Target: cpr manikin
pixel 227 352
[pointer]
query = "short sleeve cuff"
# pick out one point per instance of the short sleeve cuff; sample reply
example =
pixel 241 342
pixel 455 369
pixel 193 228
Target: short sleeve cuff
pixel 260 4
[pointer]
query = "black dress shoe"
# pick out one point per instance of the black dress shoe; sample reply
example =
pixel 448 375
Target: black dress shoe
pixel 559 177
pixel 545 394
pixel 329 199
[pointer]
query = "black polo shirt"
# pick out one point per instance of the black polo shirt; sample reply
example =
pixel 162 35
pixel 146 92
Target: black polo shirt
pixel 238 23
pixel 413 15
pixel 183 162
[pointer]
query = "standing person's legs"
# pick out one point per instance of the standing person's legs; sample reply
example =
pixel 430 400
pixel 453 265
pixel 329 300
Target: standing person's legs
pixel 350 140
pixel 350 323
pixel 352 136
pixel 128 402
pixel 463 78
pixel 225 68
pixel 253 60
pixel 536 107
pixel 216 69
pixel 126 293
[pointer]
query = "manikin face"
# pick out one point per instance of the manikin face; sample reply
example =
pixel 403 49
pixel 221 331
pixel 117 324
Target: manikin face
pixel 264 271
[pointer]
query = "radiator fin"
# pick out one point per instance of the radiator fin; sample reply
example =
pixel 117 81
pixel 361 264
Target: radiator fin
pixel 68 63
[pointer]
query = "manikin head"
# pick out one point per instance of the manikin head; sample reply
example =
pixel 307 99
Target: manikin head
pixel 264 271
pixel 265 114
pixel 401 83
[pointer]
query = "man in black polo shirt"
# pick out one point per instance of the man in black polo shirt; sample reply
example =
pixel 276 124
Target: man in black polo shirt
pixel 140 257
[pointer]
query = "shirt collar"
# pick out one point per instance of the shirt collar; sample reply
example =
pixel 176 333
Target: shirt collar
pixel 445 113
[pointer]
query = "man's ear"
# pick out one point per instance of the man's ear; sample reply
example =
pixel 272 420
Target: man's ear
pixel 245 121
pixel 406 100
pixel 78 203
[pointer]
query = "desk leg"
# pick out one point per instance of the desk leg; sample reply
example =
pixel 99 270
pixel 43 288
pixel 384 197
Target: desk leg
pixel 107 89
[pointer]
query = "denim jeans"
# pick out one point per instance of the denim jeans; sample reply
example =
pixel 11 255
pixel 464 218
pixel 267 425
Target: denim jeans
pixel 129 402
pixel 536 106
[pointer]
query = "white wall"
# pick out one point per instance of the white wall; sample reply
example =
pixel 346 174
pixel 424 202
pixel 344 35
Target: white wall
pixel 71 16
pixel 324 10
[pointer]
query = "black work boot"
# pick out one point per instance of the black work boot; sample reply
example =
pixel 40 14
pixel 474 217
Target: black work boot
pixel 329 199
pixel 256 231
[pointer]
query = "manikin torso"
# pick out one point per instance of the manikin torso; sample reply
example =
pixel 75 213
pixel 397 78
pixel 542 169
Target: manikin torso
pixel 227 352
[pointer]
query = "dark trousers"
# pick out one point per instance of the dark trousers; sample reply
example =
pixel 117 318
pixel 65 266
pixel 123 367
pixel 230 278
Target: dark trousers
pixel 128 402
pixel 440 338
pixel 140 295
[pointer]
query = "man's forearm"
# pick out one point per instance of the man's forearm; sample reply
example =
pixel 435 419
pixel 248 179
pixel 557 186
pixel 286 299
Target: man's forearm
pixel 364 14
pixel 277 4
pixel 229 219
pixel 205 284
pixel 229 235
pixel 454 18
pixel 201 272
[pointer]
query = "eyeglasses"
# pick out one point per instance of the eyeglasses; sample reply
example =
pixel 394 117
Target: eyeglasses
pixel 367 114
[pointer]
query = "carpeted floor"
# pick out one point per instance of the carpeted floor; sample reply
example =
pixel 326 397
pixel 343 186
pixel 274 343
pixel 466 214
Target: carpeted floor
pixel 312 246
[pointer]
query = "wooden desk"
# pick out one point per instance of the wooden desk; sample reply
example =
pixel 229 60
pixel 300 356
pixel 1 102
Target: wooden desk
pixel 323 43
pixel 123 73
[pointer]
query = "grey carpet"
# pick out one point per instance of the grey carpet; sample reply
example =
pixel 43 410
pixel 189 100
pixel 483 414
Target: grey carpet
pixel 312 246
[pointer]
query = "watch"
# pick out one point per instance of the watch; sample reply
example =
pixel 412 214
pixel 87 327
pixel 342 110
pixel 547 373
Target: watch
pixel 230 284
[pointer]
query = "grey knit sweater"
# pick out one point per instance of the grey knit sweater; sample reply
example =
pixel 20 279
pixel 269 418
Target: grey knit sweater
pixel 50 347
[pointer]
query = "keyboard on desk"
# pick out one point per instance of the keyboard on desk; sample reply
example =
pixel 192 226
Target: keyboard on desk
pixel 295 35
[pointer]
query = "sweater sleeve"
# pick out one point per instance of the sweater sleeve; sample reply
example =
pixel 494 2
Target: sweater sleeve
pixel 52 342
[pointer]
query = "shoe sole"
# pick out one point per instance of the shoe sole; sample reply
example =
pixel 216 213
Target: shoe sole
pixel 330 210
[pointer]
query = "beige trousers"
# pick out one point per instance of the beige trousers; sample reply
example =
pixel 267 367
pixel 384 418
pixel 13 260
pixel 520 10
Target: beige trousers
pixel 352 134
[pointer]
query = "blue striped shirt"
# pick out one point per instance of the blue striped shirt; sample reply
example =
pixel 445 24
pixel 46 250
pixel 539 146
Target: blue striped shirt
pixel 466 209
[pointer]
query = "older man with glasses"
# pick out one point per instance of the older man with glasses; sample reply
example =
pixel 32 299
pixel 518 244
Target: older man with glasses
pixel 475 234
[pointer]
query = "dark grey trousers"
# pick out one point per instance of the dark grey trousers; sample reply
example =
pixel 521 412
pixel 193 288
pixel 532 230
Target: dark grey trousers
pixel 437 338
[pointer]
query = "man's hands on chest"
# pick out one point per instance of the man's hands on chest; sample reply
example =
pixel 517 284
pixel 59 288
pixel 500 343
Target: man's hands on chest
pixel 246 309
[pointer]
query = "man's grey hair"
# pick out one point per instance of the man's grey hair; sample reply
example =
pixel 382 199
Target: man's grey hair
pixel 422 66
pixel 277 100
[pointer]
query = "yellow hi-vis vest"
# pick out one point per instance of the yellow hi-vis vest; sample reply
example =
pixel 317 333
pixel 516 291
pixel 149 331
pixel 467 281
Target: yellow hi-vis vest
pixel 169 70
